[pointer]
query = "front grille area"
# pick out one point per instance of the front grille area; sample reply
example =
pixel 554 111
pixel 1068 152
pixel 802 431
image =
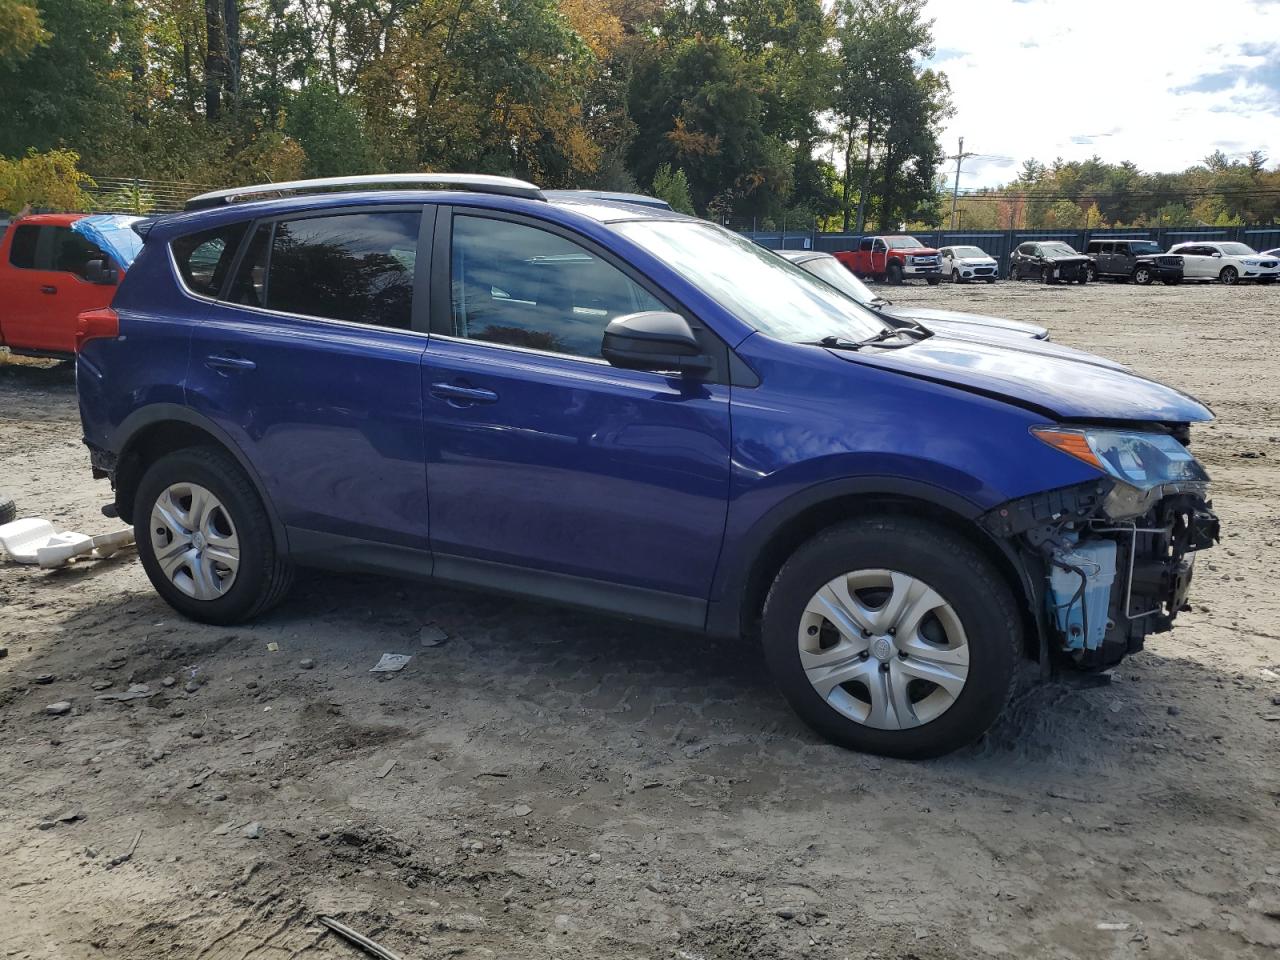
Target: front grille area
pixel 1170 261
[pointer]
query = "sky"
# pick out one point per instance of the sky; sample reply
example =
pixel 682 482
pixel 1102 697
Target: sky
pixel 1162 84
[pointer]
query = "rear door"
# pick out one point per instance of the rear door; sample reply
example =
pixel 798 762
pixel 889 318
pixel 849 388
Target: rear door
pixel 547 466
pixel 311 360
pixel 47 289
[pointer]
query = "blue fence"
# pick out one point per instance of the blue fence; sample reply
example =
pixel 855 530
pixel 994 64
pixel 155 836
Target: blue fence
pixel 1000 243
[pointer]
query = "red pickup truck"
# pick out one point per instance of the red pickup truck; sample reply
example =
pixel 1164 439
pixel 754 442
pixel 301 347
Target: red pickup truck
pixel 52 267
pixel 893 258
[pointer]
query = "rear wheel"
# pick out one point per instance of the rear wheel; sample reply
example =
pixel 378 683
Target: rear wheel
pixel 1142 275
pixel 205 539
pixel 1229 275
pixel 893 636
pixel 8 509
pixel 933 281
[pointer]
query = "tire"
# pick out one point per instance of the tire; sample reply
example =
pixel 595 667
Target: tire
pixel 991 279
pixel 260 577
pixel 1172 281
pixel 933 281
pixel 955 277
pixel 1083 278
pixel 1013 272
pixel 973 596
pixel 1229 275
pixel 1091 272
pixel 894 274
pixel 1142 276
pixel 1048 275
pixel 8 509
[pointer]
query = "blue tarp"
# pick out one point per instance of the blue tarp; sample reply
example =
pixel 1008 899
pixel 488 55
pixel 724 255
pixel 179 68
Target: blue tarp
pixel 113 235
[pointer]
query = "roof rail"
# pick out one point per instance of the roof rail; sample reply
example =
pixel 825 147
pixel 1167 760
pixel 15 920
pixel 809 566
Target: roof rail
pixel 479 182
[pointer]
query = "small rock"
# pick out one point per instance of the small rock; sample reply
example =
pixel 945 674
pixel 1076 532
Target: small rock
pixel 191 686
pixel 168 682
pixel 44 678
pixel 477 847
pixel 4 652
pixel 275 784
pixel 61 708
pixel 252 831
pixel 588 878
pixel 196 734
pixel 522 810
pixel 1174 711
pixel 100 684
pixel 307 664
pixel 1276 700
pixel 593 858
pixel 219 796
pixel 785 914
pixel 432 636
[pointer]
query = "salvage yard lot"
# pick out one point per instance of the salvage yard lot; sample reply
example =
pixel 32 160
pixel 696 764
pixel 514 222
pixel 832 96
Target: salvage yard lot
pixel 570 786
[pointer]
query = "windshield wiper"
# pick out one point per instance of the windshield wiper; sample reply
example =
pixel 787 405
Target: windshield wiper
pixel 841 343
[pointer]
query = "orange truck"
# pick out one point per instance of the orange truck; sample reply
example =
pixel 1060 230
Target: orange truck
pixel 53 266
pixel 893 258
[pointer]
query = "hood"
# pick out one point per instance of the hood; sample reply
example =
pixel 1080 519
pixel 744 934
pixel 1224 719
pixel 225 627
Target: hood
pixel 982 260
pixel 974 322
pixel 1075 258
pixel 1066 387
pixel 916 251
pixel 112 235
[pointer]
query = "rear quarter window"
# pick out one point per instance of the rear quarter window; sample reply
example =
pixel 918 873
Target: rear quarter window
pixel 204 258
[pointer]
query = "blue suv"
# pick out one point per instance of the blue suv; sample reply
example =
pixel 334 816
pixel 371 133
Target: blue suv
pixel 625 409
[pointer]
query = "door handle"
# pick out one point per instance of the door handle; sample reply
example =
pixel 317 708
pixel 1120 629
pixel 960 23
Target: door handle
pixel 48 288
pixel 453 392
pixel 229 363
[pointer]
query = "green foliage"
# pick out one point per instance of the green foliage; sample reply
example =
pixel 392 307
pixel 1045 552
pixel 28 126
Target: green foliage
pixel 330 130
pixel 21 29
pixel 673 187
pixel 43 180
pixel 131 199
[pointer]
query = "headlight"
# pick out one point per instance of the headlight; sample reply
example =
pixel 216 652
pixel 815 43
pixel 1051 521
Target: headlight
pixel 1143 460
pixel 1252 263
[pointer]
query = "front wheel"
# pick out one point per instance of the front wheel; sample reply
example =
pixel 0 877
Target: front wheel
pixel 893 636
pixel 955 276
pixel 1091 272
pixel 205 539
pixel 933 281
pixel 894 274
pixel 1229 275
pixel 1142 276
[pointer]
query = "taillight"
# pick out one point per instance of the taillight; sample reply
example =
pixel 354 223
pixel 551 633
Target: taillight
pixel 92 324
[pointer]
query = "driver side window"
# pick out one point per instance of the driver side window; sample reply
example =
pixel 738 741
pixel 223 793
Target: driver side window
pixel 526 287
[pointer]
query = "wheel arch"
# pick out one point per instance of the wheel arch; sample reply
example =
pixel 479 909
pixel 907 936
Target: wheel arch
pixel 767 546
pixel 162 428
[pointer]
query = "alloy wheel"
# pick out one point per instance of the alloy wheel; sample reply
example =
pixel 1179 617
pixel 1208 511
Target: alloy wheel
pixel 195 541
pixel 884 649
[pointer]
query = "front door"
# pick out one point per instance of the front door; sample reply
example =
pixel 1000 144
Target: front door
pixel 47 287
pixel 310 360
pixel 548 469
pixel 1198 262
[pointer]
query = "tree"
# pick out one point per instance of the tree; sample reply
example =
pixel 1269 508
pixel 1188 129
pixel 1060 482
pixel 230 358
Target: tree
pixel 878 105
pixel 21 29
pixel 673 187
pixel 51 180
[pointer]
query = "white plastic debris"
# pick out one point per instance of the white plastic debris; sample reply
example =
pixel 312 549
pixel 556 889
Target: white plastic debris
pixel 36 540
pixel 390 663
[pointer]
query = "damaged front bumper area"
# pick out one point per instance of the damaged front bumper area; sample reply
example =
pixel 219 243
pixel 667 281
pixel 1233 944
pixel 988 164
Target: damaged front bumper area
pixel 1112 561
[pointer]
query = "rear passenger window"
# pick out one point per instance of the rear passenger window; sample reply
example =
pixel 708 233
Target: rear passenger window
pixel 204 258
pixel 527 287
pixel 357 267
pixel 22 252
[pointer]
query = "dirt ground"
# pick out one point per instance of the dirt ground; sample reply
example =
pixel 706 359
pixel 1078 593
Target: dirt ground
pixel 571 786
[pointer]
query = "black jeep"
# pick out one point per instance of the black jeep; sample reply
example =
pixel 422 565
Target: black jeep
pixel 1141 261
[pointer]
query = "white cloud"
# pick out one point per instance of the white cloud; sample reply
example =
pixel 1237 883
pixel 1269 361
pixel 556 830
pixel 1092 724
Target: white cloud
pixel 1046 79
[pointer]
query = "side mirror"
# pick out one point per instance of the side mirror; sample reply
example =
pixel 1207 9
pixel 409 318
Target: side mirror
pixel 97 271
pixel 653 340
pixel 1217 253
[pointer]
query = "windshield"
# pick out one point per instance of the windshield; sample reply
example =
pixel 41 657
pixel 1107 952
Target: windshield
pixel 1237 250
pixel 1057 250
pixel 963 252
pixel 833 272
pixel 1145 246
pixel 757 286
pixel 902 243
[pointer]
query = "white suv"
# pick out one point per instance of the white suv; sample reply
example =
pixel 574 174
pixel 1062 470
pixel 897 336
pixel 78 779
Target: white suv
pixel 1227 261
pixel 968 263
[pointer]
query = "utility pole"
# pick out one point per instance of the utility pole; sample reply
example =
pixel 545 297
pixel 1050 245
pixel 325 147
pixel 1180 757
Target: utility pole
pixel 959 158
